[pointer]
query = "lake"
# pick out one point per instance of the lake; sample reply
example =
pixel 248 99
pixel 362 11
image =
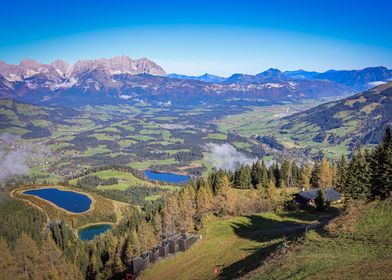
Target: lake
pixel 71 201
pixel 166 177
pixel 88 233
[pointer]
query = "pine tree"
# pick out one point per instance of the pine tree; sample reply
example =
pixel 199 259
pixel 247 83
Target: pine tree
pixel 286 174
pixel 216 179
pixel 341 174
pixel 314 178
pixel 276 173
pixel 382 167
pixel 320 200
pixel 358 185
pixel 243 178
pixel 256 174
pixel 296 175
pixel 264 172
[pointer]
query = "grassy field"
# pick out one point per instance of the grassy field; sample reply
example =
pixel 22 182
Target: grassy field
pixel 126 180
pixel 232 246
pixel 357 246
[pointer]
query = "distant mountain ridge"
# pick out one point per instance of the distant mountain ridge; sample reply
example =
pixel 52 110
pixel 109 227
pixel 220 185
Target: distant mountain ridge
pixel 122 79
pixel 204 78
pixel 359 79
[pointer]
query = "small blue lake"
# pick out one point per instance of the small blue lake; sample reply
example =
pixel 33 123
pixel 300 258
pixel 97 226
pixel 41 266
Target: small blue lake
pixel 71 201
pixel 88 233
pixel 166 177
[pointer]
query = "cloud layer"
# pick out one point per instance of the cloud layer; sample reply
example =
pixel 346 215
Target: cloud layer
pixel 16 155
pixel 225 156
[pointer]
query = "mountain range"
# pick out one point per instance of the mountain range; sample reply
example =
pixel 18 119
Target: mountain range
pixel 122 79
pixel 359 79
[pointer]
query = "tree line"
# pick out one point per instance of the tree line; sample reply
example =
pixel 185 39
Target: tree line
pixel 368 175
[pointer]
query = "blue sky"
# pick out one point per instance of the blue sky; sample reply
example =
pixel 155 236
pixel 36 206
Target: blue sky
pixel 194 37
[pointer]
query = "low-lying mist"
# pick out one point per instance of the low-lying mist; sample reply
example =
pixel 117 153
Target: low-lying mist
pixel 17 155
pixel 225 156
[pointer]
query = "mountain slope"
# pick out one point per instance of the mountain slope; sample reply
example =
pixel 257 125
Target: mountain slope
pixel 338 126
pixel 360 79
pixel 355 245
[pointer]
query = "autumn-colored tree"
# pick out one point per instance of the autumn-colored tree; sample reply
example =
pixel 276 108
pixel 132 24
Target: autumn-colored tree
pixel 225 199
pixel 187 211
pixel 170 215
pixel 204 201
pixel 55 265
pixel 271 190
pixel 306 174
pixel 7 262
pixel 323 174
pixel 146 236
pixel 132 246
pixel 28 262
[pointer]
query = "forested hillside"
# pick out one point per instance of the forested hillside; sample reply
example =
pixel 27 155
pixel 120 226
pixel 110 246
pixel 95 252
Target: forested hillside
pixel 338 127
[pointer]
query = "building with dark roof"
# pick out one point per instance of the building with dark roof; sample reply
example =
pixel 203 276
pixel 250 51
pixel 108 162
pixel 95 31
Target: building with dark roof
pixel 308 197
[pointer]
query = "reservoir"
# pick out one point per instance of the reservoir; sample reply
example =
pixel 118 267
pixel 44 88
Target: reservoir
pixel 166 177
pixel 71 201
pixel 88 233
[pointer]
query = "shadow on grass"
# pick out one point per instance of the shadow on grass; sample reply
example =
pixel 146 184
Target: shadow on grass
pixel 311 214
pixel 248 262
pixel 260 229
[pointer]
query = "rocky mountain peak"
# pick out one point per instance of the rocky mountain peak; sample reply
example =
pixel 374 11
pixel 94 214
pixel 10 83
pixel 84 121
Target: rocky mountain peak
pixel 29 64
pixel 62 67
pixel 119 65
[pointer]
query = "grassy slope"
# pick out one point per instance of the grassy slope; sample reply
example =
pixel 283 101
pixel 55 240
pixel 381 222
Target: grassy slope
pixel 231 245
pixel 357 246
pixel 127 180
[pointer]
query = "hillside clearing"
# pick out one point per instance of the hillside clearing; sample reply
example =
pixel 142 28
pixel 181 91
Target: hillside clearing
pixel 232 246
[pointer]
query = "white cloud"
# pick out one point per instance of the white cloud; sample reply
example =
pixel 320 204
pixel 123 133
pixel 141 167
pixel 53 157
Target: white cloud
pixel 225 156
